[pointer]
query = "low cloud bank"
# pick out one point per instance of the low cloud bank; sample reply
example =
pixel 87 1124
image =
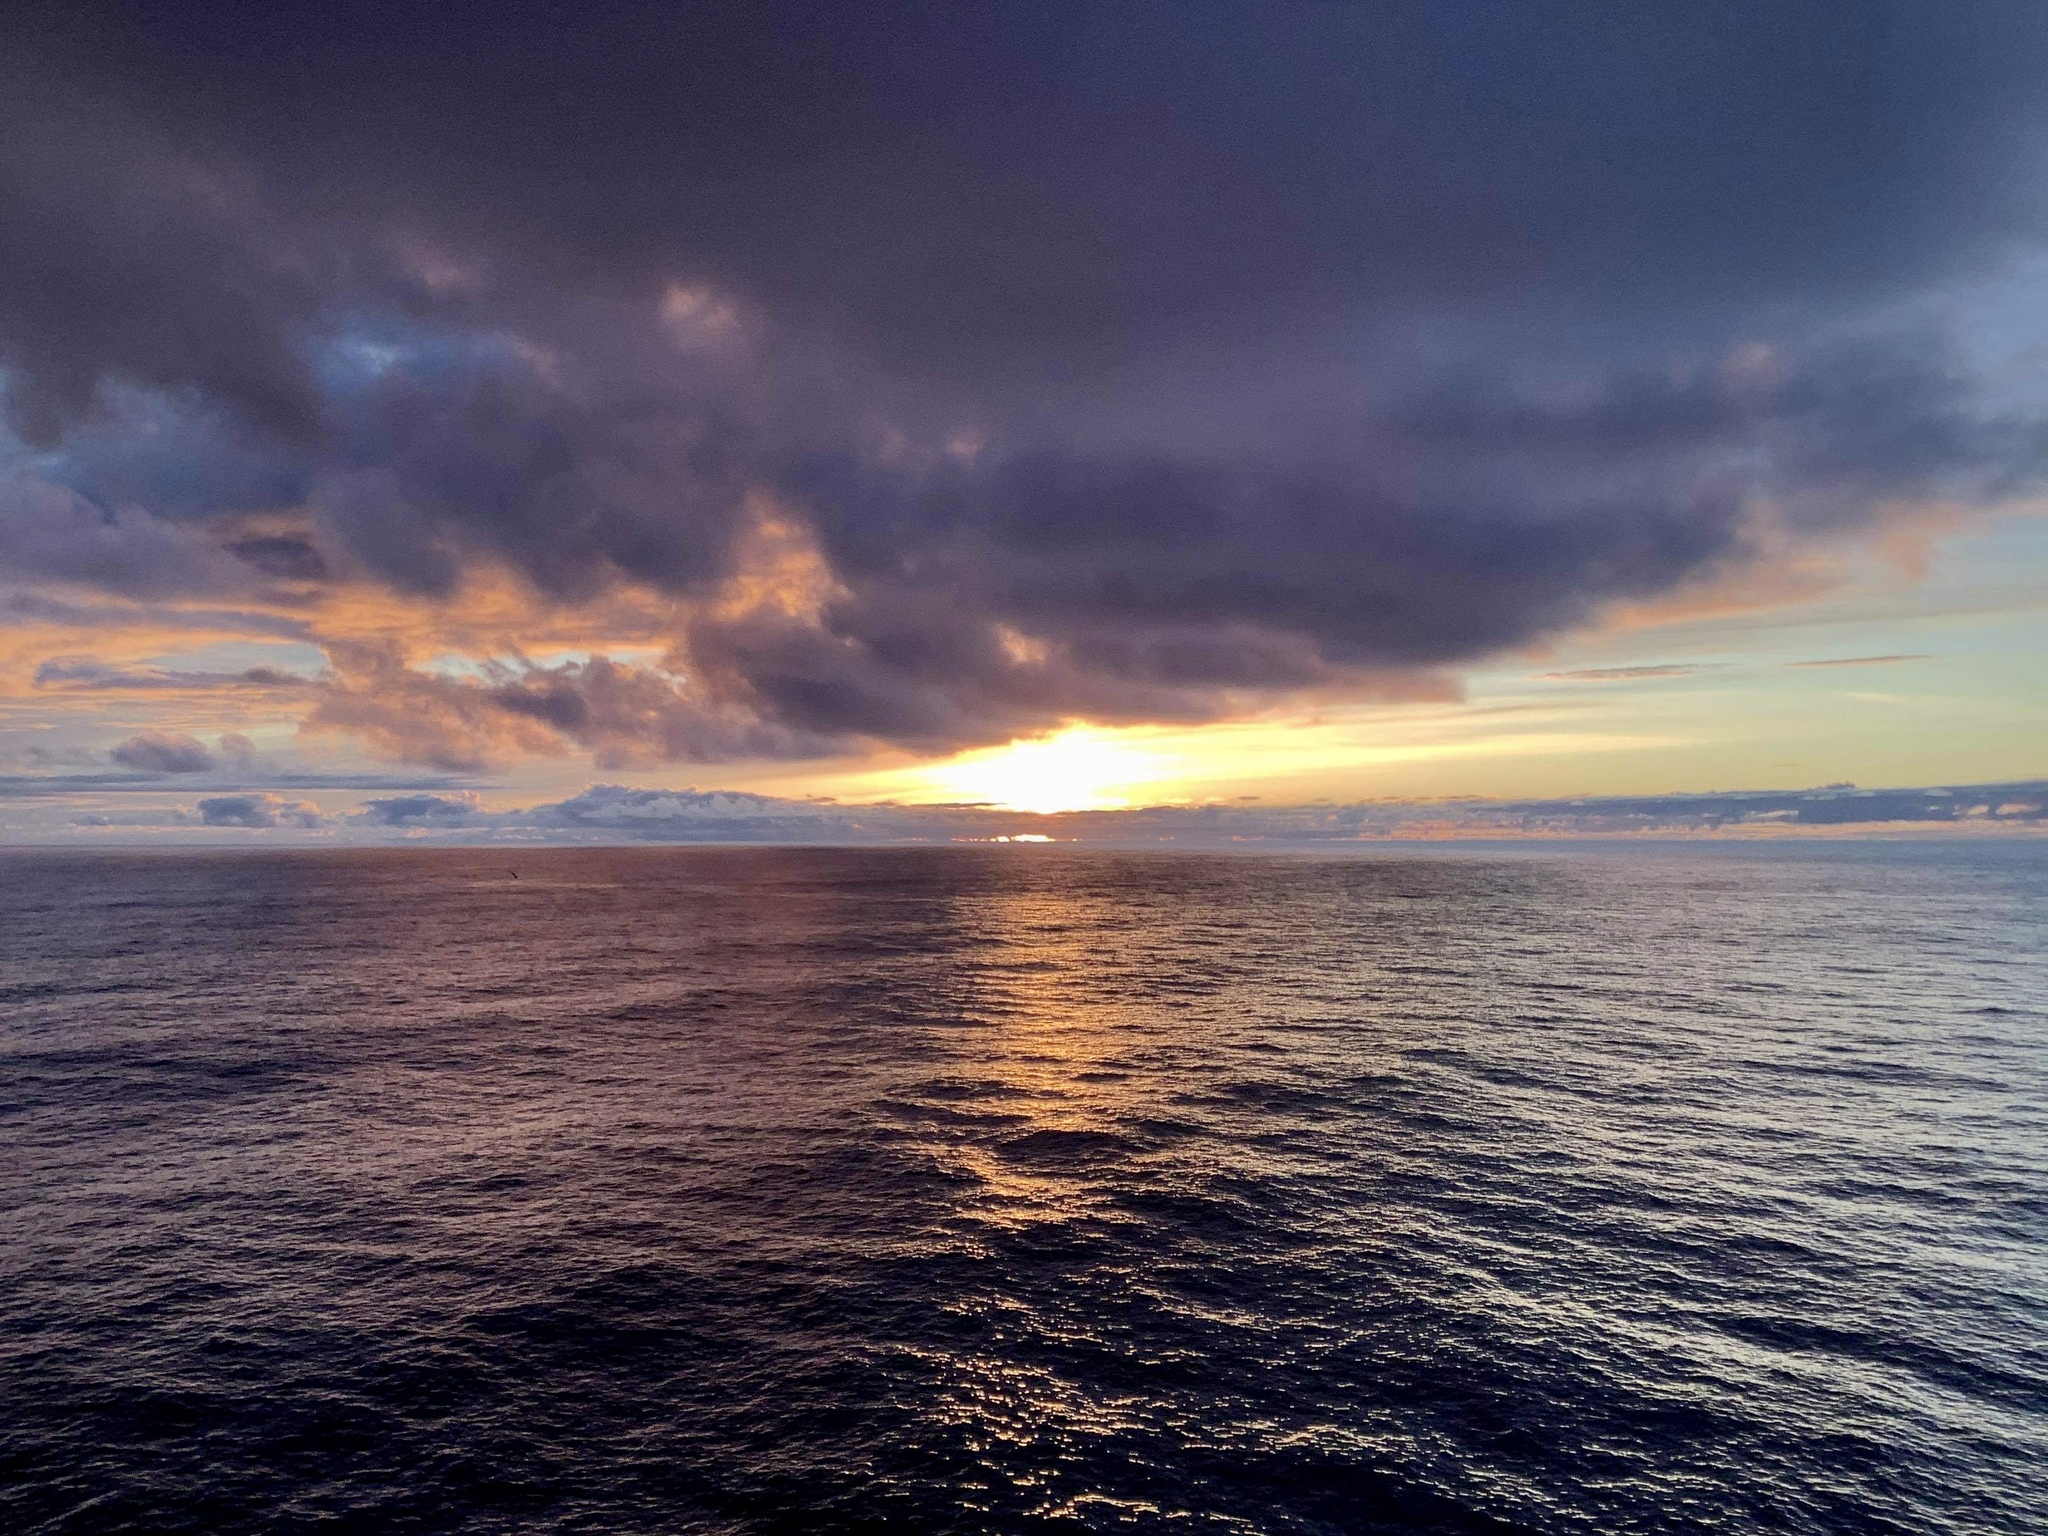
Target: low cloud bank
pixel 610 813
pixel 260 812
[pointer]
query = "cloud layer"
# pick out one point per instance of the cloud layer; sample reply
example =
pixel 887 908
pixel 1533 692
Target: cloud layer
pixel 931 375
pixel 618 814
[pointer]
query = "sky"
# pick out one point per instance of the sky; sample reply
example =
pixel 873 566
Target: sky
pixel 1054 408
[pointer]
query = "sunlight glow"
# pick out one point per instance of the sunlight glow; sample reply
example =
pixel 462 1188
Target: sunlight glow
pixel 1526 744
pixel 1079 769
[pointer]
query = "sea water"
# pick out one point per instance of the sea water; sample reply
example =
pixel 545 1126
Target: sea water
pixel 1604 1189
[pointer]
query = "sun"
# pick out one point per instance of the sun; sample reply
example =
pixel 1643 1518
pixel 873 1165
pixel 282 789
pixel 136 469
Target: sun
pixel 1077 769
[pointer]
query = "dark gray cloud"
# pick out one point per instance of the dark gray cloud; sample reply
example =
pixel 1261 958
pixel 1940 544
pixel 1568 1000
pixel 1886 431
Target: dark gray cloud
pixel 164 752
pixel 131 259
pixel 981 187
pixel 1134 362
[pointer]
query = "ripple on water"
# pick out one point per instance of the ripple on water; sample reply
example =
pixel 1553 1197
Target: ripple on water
pixel 1693 1189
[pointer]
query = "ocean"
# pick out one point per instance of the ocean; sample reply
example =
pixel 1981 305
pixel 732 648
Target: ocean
pixel 1648 1188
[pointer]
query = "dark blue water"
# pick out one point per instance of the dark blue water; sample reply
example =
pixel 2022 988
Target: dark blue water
pixel 1025 1189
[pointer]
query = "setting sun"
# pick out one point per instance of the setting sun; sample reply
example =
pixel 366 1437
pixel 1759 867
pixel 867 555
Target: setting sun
pixel 1078 769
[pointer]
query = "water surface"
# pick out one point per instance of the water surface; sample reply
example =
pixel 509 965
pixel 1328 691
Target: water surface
pixel 1695 1189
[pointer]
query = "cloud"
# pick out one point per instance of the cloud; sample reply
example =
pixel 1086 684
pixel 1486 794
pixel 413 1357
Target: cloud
pixel 163 752
pixel 87 675
pixel 130 259
pixel 53 532
pixel 1030 182
pixel 32 786
pixel 260 811
pixel 621 714
pixel 290 556
pixel 686 815
pixel 420 810
pixel 87 612
pixel 613 812
pixel 107 820
pixel 1619 674
pixel 1858 661
pixel 1115 364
